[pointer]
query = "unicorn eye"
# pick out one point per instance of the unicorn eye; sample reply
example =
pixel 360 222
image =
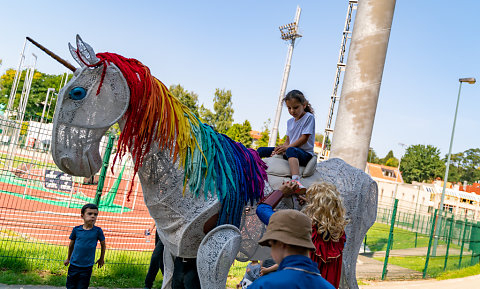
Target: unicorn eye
pixel 77 93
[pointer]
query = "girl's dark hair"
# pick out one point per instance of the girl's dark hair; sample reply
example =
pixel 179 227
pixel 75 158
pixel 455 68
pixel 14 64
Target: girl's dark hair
pixel 298 95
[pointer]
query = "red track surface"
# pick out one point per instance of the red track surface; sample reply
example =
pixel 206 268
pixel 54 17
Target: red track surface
pixel 52 224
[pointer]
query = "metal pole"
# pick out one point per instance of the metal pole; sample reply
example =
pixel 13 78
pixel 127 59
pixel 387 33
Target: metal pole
pixel 416 206
pixel 463 243
pixel 16 80
pixel 390 240
pixel 46 102
pixel 445 179
pixel 106 161
pixel 286 72
pixel 429 244
pixel 448 244
pixel 361 84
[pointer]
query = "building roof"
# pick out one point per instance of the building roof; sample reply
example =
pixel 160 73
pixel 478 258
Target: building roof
pixel 255 134
pixel 452 192
pixel 473 188
pixel 383 172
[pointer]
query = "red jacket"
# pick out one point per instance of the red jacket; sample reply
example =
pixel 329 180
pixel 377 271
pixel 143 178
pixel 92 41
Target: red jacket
pixel 328 256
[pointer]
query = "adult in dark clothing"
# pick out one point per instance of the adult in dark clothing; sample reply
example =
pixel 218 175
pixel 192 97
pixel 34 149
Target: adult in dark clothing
pixel 156 262
pixel 184 272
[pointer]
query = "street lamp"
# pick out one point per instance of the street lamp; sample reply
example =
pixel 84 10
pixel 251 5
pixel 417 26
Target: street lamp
pixel 469 80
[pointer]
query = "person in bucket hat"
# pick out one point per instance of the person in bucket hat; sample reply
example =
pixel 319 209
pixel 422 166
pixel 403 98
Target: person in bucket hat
pixel 289 236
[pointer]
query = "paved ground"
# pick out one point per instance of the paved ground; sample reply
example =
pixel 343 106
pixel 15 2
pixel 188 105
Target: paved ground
pixel 471 282
pixel 368 268
pixel 421 251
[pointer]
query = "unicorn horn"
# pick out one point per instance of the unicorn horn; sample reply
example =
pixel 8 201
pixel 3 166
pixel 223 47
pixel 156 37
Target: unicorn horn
pixel 53 55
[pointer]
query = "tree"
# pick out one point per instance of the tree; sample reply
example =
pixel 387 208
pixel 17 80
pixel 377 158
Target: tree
pixel 372 157
pixel 263 140
pixel 40 84
pixel 471 163
pixel 319 137
pixel 222 118
pixel 392 162
pixel 421 163
pixel 189 98
pixel 390 159
pixel 241 133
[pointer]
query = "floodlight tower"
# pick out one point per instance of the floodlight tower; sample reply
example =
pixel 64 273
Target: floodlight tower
pixel 289 33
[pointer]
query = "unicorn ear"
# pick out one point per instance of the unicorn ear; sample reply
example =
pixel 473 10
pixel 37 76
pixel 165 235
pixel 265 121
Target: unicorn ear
pixel 86 52
pixel 73 52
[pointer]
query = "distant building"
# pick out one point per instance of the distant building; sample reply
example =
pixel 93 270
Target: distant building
pixel 423 198
pixel 256 135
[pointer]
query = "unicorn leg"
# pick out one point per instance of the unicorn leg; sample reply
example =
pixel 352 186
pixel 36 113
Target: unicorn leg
pixel 216 254
pixel 168 261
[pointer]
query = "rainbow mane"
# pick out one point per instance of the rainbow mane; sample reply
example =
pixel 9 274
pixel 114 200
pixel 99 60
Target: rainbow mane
pixel 211 161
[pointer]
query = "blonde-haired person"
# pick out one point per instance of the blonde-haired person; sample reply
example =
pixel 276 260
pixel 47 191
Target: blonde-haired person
pixel 325 207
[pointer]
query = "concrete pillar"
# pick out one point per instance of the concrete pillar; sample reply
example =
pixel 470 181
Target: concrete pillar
pixel 361 84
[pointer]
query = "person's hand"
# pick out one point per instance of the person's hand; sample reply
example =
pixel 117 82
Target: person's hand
pixel 279 150
pixel 288 188
pixel 100 262
pixel 66 262
pixel 263 271
pixel 301 200
pixel 248 270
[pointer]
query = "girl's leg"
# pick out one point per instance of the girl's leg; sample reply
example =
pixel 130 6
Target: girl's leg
pixel 294 168
pixel 265 152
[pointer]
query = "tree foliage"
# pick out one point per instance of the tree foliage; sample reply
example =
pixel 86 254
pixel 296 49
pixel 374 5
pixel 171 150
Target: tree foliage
pixel 189 98
pixel 222 117
pixel 40 84
pixel 263 140
pixel 464 166
pixel 372 157
pixel 241 133
pixel 421 163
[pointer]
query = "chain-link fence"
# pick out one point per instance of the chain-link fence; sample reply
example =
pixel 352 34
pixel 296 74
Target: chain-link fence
pixel 404 235
pixel 39 205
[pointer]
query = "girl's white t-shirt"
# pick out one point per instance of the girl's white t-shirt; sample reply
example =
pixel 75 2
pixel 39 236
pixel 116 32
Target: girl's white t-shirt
pixel 305 125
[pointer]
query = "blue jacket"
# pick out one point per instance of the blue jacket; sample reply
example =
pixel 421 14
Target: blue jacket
pixel 294 272
pixel 264 212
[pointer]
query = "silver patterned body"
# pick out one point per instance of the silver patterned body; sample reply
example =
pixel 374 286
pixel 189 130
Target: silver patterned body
pixel 78 128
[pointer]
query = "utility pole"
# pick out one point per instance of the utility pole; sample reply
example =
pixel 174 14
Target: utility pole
pixel 289 33
pixel 361 83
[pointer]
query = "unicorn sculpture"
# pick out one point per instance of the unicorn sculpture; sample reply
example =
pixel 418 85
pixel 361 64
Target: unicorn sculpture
pixel 196 182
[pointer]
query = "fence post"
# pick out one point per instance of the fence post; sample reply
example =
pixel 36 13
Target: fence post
pixel 430 244
pixel 448 243
pixel 413 222
pixel 463 243
pixel 103 173
pixel 364 243
pixel 423 222
pixel 390 239
pixel 416 236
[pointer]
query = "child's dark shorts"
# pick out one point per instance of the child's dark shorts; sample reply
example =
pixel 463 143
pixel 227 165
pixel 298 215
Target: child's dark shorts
pixel 78 277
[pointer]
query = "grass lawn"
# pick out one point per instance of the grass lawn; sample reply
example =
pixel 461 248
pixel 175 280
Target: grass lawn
pixel 43 265
pixel 435 265
pixel 377 238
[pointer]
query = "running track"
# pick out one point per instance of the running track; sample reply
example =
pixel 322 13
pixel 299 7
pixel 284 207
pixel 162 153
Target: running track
pixel 52 224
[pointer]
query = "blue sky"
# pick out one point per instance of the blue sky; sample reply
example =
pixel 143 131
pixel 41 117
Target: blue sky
pixel 236 45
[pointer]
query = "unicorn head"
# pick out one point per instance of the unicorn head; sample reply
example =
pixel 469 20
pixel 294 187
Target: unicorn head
pixel 93 100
